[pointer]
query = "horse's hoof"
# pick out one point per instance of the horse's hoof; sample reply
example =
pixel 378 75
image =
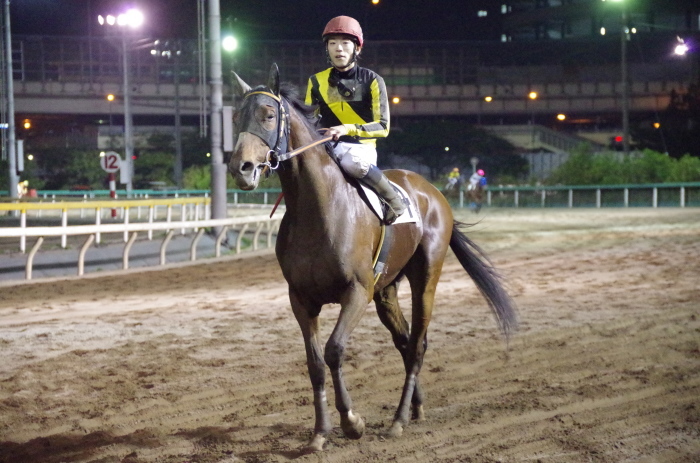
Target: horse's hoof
pixel 396 430
pixel 418 414
pixel 353 426
pixel 315 444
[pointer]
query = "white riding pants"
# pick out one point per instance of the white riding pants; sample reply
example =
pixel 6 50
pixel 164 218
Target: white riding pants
pixel 356 158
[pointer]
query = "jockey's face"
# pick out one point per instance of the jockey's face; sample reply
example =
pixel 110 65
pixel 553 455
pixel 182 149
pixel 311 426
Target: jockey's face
pixel 341 50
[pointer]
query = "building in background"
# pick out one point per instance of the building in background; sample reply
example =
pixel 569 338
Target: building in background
pixel 575 19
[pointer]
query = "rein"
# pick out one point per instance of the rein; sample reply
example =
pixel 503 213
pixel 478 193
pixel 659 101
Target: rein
pixel 298 151
pixel 288 156
pixel 275 156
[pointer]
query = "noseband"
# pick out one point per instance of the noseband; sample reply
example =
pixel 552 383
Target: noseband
pixel 277 142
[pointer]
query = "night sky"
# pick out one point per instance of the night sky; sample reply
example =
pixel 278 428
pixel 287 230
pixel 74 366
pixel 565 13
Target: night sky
pixel 277 20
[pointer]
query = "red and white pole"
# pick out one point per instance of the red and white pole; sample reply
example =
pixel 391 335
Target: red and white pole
pixel 113 190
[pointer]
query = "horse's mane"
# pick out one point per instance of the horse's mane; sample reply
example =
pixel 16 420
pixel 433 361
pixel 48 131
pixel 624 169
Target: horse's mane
pixel 290 92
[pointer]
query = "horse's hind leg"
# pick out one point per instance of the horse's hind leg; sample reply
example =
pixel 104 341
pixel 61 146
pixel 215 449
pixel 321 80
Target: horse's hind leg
pixel 423 273
pixel 392 318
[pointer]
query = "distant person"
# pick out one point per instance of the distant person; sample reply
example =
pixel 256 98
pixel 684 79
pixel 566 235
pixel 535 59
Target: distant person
pixel 354 110
pixel 22 189
pixel 477 178
pixel 452 179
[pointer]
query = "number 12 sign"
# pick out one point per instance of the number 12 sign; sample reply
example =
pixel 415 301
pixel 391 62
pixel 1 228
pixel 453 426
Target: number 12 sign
pixel 110 162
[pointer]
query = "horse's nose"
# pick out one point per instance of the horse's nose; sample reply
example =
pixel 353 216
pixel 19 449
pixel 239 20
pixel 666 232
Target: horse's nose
pixel 239 167
pixel 246 167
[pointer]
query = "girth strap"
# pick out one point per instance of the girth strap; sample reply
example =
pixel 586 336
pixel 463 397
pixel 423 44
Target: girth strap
pixel 382 252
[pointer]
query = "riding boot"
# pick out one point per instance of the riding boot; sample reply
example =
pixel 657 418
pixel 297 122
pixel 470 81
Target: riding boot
pixel 395 206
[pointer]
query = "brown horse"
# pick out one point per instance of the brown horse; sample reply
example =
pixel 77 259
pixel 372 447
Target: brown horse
pixel 326 244
pixel 475 195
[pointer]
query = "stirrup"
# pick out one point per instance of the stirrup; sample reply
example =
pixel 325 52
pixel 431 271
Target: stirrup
pixel 390 214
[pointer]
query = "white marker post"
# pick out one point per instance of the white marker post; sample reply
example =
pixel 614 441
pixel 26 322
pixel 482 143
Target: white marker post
pixel 110 162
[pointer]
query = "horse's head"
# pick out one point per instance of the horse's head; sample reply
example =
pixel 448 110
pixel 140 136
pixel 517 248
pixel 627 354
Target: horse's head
pixel 261 130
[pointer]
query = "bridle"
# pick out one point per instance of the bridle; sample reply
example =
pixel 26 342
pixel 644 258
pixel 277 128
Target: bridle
pixel 280 143
pixel 278 149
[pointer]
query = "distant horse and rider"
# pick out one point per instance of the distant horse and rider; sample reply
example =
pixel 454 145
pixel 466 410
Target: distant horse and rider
pixel 331 242
pixel 475 188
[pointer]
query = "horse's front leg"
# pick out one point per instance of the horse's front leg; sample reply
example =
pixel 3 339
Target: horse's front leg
pixel 308 322
pixel 353 306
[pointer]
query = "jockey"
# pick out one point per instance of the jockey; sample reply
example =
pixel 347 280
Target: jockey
pixel 477 178
pixel 354 110
pixel 452 178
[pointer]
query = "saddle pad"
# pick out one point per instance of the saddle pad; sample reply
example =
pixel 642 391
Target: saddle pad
pixel 410 216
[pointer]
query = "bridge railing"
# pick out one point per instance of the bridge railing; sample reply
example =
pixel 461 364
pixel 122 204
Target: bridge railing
pixel 95 60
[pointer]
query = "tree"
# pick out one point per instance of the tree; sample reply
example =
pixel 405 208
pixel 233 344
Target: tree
pixel 585 168
pixel 195 149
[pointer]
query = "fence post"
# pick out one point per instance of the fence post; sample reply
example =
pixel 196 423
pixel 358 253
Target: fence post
pixel 655 197
pixel 682 196
pixel 98 220
pixel 23 224
pixel 64 223
pixel 627 197
pixel 571 199
pixel 597 198
pixel 151 216
pixel 126 222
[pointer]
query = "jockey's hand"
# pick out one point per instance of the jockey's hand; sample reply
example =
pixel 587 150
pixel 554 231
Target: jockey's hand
pixel 335 132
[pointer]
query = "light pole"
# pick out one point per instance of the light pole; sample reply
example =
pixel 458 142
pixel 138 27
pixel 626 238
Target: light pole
pixel 532 96
pixel 218 168
pixel 173 50
pixel 11 131
pixel 110 99
pixel 624 84
pixel 133 19
pixel 624 37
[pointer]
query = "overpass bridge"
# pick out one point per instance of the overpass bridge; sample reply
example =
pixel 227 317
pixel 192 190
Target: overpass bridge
pixel 72 76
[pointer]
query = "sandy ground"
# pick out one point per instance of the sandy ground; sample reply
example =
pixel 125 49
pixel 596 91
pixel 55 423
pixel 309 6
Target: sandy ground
pixel 205 363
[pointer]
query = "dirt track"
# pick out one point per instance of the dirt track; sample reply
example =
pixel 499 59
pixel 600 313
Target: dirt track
pixel 206 363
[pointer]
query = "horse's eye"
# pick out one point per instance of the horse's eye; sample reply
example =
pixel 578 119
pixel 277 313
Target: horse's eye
pixel 270 117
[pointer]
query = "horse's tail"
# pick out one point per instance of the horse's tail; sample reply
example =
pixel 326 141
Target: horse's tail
pixel 486 278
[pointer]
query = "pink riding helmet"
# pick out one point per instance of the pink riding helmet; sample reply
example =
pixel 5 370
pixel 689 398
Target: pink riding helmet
pixel 480 172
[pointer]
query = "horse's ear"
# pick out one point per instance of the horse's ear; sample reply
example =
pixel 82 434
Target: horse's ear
pixel 274 80
pixel 240 88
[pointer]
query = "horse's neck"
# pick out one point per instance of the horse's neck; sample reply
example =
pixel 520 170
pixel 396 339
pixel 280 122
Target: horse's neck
pixel 310 180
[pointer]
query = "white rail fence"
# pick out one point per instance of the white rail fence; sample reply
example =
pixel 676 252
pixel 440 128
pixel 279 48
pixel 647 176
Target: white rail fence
pixel 125 210
pixel 247 229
